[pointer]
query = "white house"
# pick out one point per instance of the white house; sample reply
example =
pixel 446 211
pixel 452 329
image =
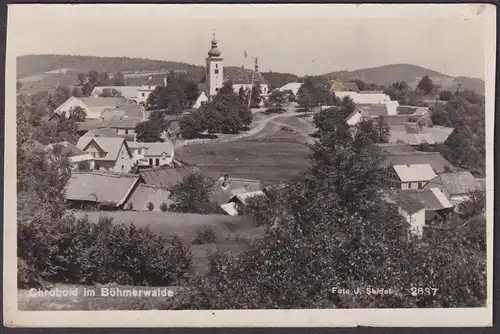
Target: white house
pixel 94 106
pixel 366 111
pixel 412 210
pixel 111 154
pixel 75 155
pixel 152 154
pixel 149 86
pixel 414 176
pixel 292 87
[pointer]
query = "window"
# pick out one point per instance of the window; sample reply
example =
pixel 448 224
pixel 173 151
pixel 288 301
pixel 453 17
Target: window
pixel 216 65
pixel 157 161
pixel 216 89
pixel 216 71
pixel 151 161
pixel 149 87
pixel 409 185
pixel 420 185
pixel 97 167
pixel 123 168
pixel 116 130
pixel 142 94
pixel 126 131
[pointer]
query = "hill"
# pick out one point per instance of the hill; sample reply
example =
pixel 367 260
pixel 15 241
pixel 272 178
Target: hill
pixel 387 74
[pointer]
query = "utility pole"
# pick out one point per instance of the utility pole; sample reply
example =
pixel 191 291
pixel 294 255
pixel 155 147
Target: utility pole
pixel 251 87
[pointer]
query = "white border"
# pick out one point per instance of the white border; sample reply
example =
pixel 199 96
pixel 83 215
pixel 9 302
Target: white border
pixel 256 318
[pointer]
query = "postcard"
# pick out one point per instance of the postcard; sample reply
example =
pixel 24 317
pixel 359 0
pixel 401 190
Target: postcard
pixel 249 165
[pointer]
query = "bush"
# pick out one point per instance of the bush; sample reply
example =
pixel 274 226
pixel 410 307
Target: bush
pixel 164 207
pixel 205 236
pixel 150 206
pixel 76 251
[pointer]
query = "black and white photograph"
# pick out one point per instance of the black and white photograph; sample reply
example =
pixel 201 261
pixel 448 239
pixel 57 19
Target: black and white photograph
pixel 249 165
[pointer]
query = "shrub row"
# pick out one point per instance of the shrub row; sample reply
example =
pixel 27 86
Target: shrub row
pixel 76 251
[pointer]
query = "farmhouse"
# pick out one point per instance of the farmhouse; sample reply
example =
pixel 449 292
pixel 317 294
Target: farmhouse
pixel 111 154
pixel 145 194
pixel 122 127
pixel 92 189
pixel 128 92
pixel 76 156
pixel 94 106
pixel 411 209
pixel 437 206
pixel 152 154
pixel 414 176
pixel 438 163
pixel 149 86
pixel 456 186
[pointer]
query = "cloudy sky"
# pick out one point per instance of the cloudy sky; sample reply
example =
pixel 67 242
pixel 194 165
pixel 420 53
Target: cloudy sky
pixel 298 39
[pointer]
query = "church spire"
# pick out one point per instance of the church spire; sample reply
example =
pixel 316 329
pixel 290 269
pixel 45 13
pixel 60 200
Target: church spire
pixel 214 52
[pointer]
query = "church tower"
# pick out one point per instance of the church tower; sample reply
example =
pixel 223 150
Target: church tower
pixel 215 75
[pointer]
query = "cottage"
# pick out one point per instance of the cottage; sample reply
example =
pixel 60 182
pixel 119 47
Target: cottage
pixel 93 189
pixel 77 157
pixel 414 176
pixel 412 210
pixel 149 86
pixel 437 206
pixel 456 186
pixel 145 194
pixel 111 154
pixel 93 106
pixel 152 154
pixel 438 163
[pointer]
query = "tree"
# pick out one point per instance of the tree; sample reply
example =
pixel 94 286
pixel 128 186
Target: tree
pixel 242 94
pixel 227 88
pixel 158 98
pixel 426 84
pixel 439 116
pixel 77 114
pixel 191 125
pixel 278 98
pixel 82 78
pixel 305 99
pixel 445 95
pixel 256 93
pixel 103 79
pixel 192 195
pixel 93 77
pixel 61 95
pixel 151 131
pixel 383 130
pixel 191 91
pixel 119 79
pixel 474 205
pixel 110 92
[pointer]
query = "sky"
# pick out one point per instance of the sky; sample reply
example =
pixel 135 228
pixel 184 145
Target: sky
pixel 303 40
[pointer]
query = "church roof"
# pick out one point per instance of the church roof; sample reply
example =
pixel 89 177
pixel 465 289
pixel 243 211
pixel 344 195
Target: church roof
pixel 239 75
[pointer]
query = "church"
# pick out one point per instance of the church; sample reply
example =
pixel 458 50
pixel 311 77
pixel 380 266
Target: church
pixel 216 74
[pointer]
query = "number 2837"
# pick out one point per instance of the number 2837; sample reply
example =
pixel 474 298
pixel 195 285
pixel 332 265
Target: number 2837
pixel 423 291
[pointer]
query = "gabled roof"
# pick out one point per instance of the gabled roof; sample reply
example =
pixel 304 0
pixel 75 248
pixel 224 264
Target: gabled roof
pixel 125 111
pixel 240 75
pixel 145 193
pixel 414 173
pixel 432 198
pixel 128 92
pixel 405 201
pixel 372 110
pixel 101 132
pixel 426 135
pixel 109 145
pixel 103 101
pixel 154 149
pixel 292 86
pixel 339 86
pixel 458 183
pixel 244 196
pixel 166 176
pixel 392 148
pixel 155 81
pixel 68 149
pixel 238 183
pixel 438 163
pixel 100 187
pixel 112 122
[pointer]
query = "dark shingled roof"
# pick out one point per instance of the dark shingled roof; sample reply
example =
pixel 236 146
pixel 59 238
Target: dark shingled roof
pixel 438 163
pixel 166 176
pixel 429 197
pixel 457 183
pixel 406 202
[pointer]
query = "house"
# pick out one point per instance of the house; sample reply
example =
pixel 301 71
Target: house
pixel 414 176
pixel 100 132
pixel 145 194
pixel 149 86
pixel 414 134
pixel 412 110
pixel 229 193
pixel 365 97
pixel 128 92
pixel 111 154
pixel 393 148
pixel 94 106
pixel 165 176
pixel 456 186
pixel 123 127
pixel 412 210
pixel 438 163
pixel 291 88
pixel 76 156
pixel 365 112
pixel 346 86
pixel 437 206
pixel 152 154
pixel 91 189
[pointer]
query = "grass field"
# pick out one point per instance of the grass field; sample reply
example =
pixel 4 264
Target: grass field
pixel 268 161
